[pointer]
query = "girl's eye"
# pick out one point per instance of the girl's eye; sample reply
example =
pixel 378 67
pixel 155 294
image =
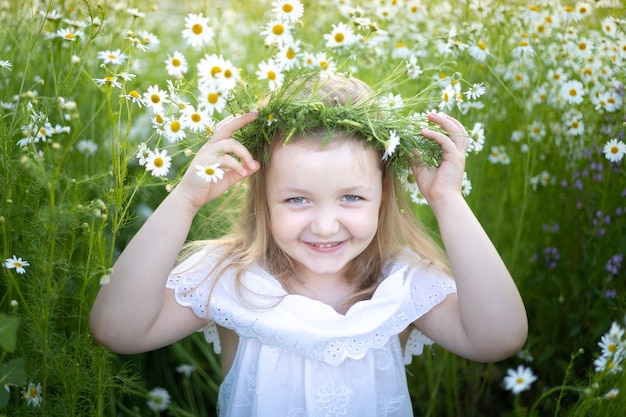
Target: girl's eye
pixel 351 197
pixel 296 200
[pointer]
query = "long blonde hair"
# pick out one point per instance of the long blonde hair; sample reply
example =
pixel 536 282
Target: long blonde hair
pixel 250 241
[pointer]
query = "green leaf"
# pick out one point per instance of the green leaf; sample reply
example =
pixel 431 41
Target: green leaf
pixel 13 373
pixel 8 332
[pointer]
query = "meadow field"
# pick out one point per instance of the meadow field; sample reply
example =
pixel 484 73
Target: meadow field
pixel 103 104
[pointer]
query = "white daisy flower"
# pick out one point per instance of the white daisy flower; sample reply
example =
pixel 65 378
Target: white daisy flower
pixel 115 57
pixel 174 131
pixel 211 98
pixel 466 185
pixel 194 119
pixel 215 69
pixel 176 65
pixel 341 35
pixel 108 80
pixel 391 145
pixel 197 30
pixel 614 150
pixel 277 33
pixel 572 91
pixel 269 70
pixel 6 64
pixel 16 263
pixel 158 163
pixel 134 97
pixel 288 10
pixel 519 380
pixel 479 51
pixel 32 394
pixel 210 173
pixel 158 399
pixel 87 147
pixel 287 56
pixel 155 98
pixel 142 154
pixel 69 34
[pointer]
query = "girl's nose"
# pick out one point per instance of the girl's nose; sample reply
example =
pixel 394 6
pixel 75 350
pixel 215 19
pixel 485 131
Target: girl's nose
pixel 325 223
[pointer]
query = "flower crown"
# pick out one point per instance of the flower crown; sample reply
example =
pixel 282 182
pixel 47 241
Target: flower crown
pixel 393 130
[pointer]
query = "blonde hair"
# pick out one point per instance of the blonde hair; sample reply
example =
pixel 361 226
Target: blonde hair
pixel 251 242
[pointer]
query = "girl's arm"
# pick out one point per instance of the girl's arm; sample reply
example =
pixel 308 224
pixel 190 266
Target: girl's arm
pixel 486 319
pixel 134 312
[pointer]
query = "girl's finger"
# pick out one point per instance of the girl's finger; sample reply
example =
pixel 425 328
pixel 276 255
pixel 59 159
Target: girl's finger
pixel 230 125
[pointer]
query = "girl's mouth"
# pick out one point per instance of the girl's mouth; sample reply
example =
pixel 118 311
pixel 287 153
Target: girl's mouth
pixel 326 245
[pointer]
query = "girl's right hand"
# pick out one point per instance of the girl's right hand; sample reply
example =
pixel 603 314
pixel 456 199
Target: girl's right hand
pixel 232 156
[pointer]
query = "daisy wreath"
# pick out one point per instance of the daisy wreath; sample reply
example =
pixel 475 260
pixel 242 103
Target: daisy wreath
pixel 393 130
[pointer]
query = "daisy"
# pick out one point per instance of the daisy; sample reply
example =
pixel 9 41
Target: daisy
pixel 400 51
pixel 87 147
pixel 158 163
pixel 194 119
pixel 477 138
pixel 269 70
pixel 215 69
pixel 112 57
pixel 523 49
pixel 410 185
pixel 475 91
pixel 53 15
pixel 176 65
pixel 69 34
pixel 479 51
pixel 32 394
pixel 149 39
pixel 612 394
pixel 466 185
pixel 340 36
pixel 392 101
pixel 519 380
pixel 155 98
pixel 609 27
pixel 277 33
pixel 197 31
pixel 289 11
pixel 212 98
pixel 413 69
pixel 287 56
pixel 158 399
pixel 135 12
pixel 174 131
pixel 614 150
pixel 572 91
pixel 16 263
pixel 610 346
pixel 210 173
pixel 326 65
pixel 108 80
pixel 611 364
pixel 6 64
pixel 391 144
pixel 448 98
pixel 142 154
pixel 185 369
pixel 134 97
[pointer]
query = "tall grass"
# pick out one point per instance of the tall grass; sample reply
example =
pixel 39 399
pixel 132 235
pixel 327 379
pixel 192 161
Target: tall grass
pixel 73 191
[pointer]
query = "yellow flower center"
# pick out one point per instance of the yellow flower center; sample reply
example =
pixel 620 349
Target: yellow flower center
pixel 324 65
pixel 212 98
pixel 339 37
pixel 523 43
pixel 278 29
pixel 155 98
pixel 70 36
pixel 534 8
pixel 197 29
pixel 613 347
pixel 582 46
pixel 573 92
pixel 159 118
pixel 569 9
pixel 134 94
pixel 176 62
pixel 111 56
pixel 287 8
pixel 209 171
pixel 482 45
pixel 519 380
pixel 18 264
pixel 228 73
pixel 175 126
pixel 196 118
pixel 158 162
pixel 215 70
pixel 614 150
pixel 33 391
pixel 271 75
pixel 290 54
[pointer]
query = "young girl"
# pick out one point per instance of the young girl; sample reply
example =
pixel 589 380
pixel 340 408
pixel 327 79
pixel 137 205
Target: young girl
pixel 327 283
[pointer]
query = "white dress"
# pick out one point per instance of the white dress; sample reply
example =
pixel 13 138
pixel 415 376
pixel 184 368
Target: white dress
pixel 298 357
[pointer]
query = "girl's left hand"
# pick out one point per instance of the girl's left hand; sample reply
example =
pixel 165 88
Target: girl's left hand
pixel 438 183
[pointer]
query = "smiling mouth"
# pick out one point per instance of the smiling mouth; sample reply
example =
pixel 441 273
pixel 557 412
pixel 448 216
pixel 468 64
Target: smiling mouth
pixel 325 245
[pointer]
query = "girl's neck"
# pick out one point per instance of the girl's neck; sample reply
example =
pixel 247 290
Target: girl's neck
pixel 335 292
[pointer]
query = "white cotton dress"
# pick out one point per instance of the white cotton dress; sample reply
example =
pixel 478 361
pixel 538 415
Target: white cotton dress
pixel 298 357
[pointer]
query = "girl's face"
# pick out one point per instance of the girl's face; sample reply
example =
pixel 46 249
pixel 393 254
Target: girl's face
pixel 323 202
